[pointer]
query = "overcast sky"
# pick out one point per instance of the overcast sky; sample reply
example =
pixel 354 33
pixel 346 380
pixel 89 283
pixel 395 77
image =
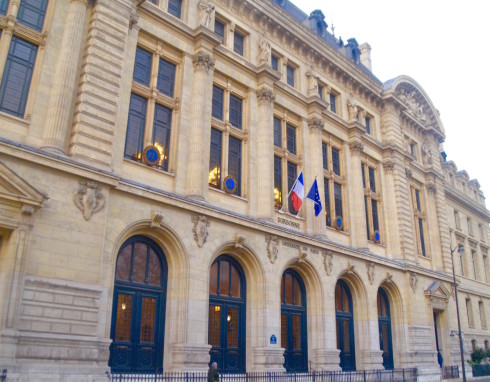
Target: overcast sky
pixel 444 46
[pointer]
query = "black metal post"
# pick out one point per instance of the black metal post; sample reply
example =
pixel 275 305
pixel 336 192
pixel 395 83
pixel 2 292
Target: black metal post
pixel 457 315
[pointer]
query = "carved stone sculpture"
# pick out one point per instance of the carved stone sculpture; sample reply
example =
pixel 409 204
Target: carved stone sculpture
pixel 370 271
pixel 156 218
pixel 328 262
pixel 266 95
pixel 200 229
pixel 350 268
pixel 264 51
pixel 203 62
pixel 272 247
pixel 316 124
pixel 389 278
pixel 206 9
pixel 312 83
pixel 352 108
pixel 413 281
pixel 239 240
pixel 89 198
pixel 302 256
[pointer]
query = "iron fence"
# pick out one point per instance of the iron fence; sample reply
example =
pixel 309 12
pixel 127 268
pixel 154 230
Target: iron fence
pixel 481 370
pixel 450 372
pixel 3 377
pixel 399 375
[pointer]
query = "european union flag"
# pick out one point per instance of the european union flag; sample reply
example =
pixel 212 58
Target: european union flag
pixel 315 196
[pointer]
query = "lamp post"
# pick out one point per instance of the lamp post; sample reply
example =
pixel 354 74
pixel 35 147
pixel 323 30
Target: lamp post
pixel 460 249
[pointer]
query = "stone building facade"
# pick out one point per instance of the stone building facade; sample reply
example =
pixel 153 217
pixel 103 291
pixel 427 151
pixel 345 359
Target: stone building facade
pixel 147 149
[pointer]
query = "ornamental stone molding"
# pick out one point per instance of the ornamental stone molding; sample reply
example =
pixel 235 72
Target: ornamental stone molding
pixel 266 95
pixel 200 229
pixel 409 172
pixel 413 107
pixel 272 247
pixel 206 9
pixel 239 240
pixel 316 124
pixel 328 262
pixel 370 271
pixel 302 256
pixel 389 278
pixel 356 147
pixel 89 198
pixel 431 187
pixel 413 281
pixel 350 268
pixel 203 62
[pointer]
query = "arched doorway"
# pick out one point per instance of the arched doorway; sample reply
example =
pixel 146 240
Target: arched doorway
pixel 384 324
pixel 226 330
pixel 138 313
pixel 293 322
pixel 345 326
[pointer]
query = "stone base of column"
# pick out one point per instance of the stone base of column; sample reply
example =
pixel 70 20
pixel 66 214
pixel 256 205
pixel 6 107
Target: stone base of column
pixel 372 359
pixel 53 149
pixel 426 363
pixel 190 357
pixel 325 359
pixel 268 359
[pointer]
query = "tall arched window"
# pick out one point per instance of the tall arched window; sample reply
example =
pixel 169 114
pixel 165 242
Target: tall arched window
pixel 138 313
pixel 384 324
pixel 226 332
pixel 293 322
pixel 345 326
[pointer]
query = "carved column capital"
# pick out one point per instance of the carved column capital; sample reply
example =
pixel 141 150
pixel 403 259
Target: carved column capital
pixel 265 95
pixel 389 166
pixel 431 187
pixel 203 62
pixel 316 124
pixel 356 147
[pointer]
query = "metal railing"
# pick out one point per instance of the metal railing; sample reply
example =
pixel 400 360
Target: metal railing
pixel 399 375
pixel 481 370
pixel 450 372
pixel 3 377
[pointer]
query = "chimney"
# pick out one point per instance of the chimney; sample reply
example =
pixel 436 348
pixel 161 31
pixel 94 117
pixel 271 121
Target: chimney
pixel 366 55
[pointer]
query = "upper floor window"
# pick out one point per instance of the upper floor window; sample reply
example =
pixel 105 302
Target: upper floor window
pixel 333 186
pixel 482 234
pixel 333 102
pixel 485 267
pixel 4 4
pixel 290 75
pixel 236 111
pixel 336 161
pixel 368 125
pixel 219 28
pixel 419 220
pixel 274 62
pixel 325 155
pixel 238 43
pixel 145 127
pixel 175 7
pixel 456 220
pixel 320 91
pixel 32 13
pixel 469 223
pixel 17 76
pixel 371 202
pixel 483 319
pixel 473 259
pixel 218 102
pixel 412 149
pixel 469 311
pixel 286 162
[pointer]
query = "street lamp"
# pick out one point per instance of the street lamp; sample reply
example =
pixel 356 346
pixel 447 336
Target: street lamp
pixel 460 249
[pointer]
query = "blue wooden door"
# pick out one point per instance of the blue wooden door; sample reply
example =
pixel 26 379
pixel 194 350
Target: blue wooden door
pixel 384 324
pixel 293 322
pixel 138 316
pixel 226 331
pixel 345 326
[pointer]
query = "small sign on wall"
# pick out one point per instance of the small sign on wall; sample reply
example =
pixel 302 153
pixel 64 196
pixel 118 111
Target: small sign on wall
pixel 273 340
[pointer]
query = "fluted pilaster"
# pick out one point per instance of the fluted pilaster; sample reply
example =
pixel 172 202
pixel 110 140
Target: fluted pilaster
pixel 316 224
pixel 63 92
pixel 358 218
pixel 199 134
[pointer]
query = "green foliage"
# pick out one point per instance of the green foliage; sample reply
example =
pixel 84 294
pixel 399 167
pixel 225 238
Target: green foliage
pixel 478 356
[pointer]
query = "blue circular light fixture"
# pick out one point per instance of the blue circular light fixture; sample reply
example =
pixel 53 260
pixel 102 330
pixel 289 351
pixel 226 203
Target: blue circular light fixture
pixel 230 184
pixel 151 155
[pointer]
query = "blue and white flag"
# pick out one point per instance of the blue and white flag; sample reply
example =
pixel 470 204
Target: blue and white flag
pixel 315 196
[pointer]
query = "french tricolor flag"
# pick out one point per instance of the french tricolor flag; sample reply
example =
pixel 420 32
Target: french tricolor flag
pixel 298 192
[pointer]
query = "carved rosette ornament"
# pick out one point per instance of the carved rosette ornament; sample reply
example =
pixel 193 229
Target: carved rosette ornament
pixel 328 262
pixel 370 271
pixel 272 247
pixel 316 124
pixel 413 281
pixel 266 95
pixel 200 229
pixel 203 62
pixel 89 198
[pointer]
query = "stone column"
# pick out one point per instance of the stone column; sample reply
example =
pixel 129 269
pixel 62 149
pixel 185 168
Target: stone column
pixel 65 81
pixel 357 214
pixel 265 154
pixel 200 126
pixel 391 236
pixel 315 224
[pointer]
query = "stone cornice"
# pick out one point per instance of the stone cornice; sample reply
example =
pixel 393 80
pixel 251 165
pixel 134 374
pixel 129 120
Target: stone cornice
pixel 466 202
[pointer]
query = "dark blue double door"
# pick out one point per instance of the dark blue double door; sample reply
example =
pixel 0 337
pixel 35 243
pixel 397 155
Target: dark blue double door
pixel 226 335
pixel 137 331
pixel 293 339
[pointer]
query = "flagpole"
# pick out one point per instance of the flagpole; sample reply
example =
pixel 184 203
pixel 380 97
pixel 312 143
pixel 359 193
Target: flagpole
pixel 287 197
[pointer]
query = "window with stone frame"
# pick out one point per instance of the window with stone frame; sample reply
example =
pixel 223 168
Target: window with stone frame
pixel 286 160
pixel 275 59
pixel 334 100
pixel 175 8
pixel 220 28
pixel 372 198
pixel 469 223
pixel 152 104
pixel 483 318
pixel 481 232
pixel 333 182
pixel 227 135
pixel 474 262
pixel 23 45
pixel 369 124
pixel 239 42
pixel 462 263
pixel 469 312
pixel 485 264
pixel 457 222
pixel 419 220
